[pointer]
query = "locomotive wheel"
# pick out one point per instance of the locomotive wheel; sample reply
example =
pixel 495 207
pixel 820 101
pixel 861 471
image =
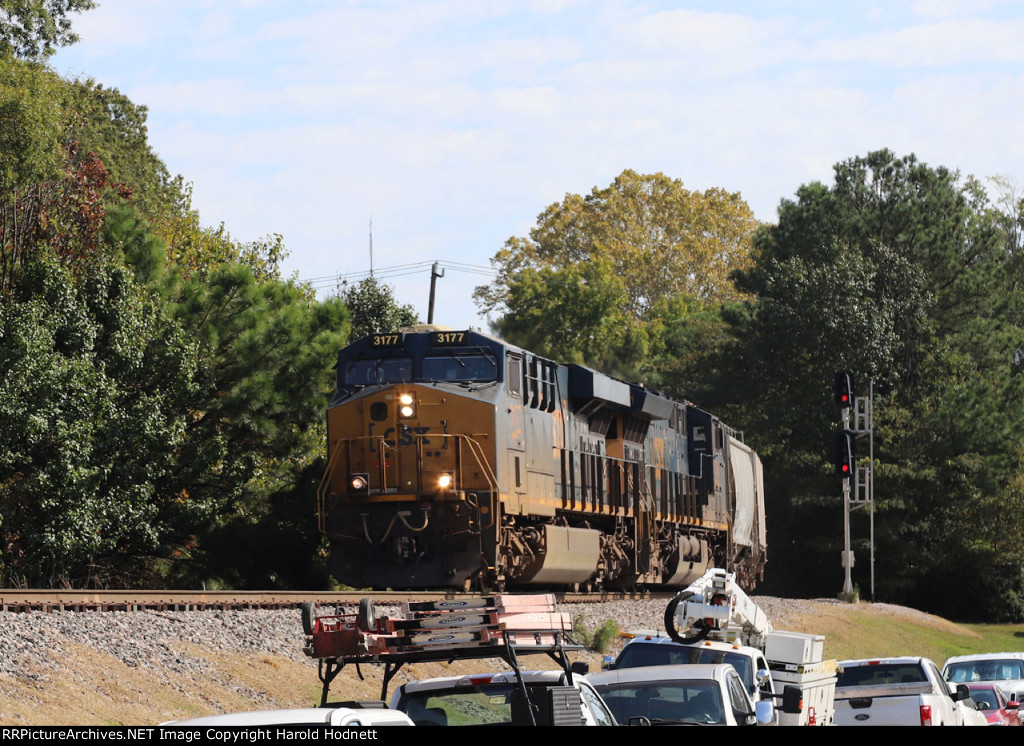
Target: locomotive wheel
pixel 308 617
pixel 699 630
pixel 367 616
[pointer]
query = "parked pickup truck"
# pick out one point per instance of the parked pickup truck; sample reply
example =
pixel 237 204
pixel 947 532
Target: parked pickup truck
pixel 496 699
pixel 898 691
pixel 364 715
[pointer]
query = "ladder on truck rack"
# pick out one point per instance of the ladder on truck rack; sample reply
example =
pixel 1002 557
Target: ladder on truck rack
pixel 502 626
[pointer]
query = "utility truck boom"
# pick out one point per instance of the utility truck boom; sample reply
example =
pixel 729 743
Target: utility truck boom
pixel 715 606
pixel 715 621
pixel 715 612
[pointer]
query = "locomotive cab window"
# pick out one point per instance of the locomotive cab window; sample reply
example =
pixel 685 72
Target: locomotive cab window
pixel 378 370
pixel 515 375
pixel 454 366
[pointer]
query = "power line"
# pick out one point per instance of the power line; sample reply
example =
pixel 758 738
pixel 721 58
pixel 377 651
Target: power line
pixel 400 270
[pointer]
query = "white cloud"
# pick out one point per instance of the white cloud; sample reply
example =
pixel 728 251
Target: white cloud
pixel 926 45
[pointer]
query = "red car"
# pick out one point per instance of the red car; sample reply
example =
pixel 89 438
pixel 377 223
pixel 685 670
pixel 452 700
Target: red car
pixel 993 703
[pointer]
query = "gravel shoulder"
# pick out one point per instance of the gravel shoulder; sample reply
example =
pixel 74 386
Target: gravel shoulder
pixel 143 668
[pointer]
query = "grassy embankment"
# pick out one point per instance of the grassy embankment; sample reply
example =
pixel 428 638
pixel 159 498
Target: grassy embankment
pixel 877 630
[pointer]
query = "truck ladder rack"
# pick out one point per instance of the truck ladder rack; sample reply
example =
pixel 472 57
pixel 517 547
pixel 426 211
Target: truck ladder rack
pixel 503 626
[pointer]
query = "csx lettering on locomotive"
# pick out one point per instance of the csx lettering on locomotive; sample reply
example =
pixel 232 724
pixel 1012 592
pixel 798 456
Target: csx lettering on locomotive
pixel 456 459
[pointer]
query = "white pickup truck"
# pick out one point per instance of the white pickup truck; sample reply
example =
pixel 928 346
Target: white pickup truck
pixel 898 691
pixel 497 699
pixel 367 715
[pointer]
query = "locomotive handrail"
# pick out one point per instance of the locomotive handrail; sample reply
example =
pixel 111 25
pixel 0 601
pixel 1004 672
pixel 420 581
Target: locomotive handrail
pixel 475 450
pixel 332 464
pixel 321 491
pixel 492 479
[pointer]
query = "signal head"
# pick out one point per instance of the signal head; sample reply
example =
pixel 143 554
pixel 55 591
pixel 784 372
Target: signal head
pixel 842 388
pixel 845 450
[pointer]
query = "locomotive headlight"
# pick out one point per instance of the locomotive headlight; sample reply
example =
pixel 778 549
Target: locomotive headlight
pixel 359 482
pixel 405 407
pixel 445 481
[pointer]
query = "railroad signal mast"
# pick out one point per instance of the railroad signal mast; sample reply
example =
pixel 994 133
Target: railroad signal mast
pixel 857 416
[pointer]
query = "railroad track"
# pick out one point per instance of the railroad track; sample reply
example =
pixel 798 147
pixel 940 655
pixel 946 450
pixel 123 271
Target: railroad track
pixel 46 600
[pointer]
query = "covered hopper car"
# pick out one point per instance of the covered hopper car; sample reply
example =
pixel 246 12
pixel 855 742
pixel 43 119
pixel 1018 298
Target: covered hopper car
pixel 458 460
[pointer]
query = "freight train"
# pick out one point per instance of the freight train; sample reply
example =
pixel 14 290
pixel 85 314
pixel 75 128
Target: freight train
pixel 456 460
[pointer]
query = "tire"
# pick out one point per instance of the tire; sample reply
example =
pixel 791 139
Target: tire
pixel 367 616
pixel 700 629
pixel 308 617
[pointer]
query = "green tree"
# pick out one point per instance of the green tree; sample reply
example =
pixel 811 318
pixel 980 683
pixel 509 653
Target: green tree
pixel 163 387
pixel 35 28
pixel 575 314
pixel 133 427
pixel 253 423
pixel 89 376
pixel 32 142
pixel 372 308
pixel 104 121
pixel 900 273
pixel 617 257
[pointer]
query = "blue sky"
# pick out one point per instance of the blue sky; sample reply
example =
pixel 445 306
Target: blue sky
pixel 453 124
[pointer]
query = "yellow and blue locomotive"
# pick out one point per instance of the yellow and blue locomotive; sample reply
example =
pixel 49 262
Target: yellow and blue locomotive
pixel 458 460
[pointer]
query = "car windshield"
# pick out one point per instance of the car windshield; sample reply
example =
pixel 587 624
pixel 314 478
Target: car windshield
pixel 987 670
pixel 474 704
pixel 638 654
pixel 685 701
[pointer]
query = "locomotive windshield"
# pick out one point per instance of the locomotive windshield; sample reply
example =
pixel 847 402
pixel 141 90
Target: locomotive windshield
pixel 378 370
pixel 453 366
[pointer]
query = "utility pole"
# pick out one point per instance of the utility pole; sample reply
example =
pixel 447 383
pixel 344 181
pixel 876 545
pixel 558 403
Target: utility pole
pixel 434 274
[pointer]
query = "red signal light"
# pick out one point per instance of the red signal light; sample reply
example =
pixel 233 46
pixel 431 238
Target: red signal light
pixel 843 388
pixel 845 451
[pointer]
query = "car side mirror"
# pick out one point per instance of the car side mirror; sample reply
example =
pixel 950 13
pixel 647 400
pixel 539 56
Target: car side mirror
pixel 792 700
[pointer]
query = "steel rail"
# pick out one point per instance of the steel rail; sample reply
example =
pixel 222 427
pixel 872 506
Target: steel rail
pixel 48 600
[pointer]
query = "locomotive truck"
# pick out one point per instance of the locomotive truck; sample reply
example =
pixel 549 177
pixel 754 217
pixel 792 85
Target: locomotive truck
pixel 458 460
